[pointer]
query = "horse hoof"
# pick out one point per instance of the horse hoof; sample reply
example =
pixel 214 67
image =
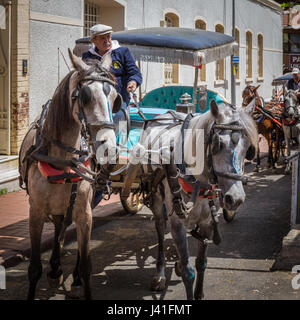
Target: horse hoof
pixel 76 292
pixel 55 282
pixel 178 269
pixel 256 169
pixel 158 284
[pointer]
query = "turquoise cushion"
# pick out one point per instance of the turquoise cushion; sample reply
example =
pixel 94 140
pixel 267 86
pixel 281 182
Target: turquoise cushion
pixel 167 97
pixel 149 113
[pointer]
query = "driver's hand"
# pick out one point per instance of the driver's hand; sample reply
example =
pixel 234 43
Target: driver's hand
pixel 131 87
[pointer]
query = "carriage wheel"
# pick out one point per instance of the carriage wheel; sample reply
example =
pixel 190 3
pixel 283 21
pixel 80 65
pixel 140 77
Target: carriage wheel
pixel 133 204
pixel 229 215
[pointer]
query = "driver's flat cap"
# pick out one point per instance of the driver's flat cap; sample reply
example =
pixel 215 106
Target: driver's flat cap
pixel 100 29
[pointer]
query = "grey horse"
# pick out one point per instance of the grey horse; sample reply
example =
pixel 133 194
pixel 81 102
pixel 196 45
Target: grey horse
pixel 81 104
pixel 290 121
pixel 224 137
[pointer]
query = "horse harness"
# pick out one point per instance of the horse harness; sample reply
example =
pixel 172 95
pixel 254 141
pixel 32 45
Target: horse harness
pixel 79 166
pixel 176 174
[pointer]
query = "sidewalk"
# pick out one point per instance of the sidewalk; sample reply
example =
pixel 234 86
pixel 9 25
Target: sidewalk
pixel 14 229
pixel 14 226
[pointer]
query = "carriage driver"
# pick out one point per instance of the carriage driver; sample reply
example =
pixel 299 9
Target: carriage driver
pixel 123 65
pixel 292 84
pixel 123 68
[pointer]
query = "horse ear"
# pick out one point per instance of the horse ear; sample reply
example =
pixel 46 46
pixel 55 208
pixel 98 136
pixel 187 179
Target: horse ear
pixel 106 61
pixel 214 108
pixel 250 153
pixel 117 104
pixel 256 87
pixel 77 62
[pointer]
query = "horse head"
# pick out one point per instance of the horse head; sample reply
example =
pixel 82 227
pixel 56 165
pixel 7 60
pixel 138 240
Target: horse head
pixel 290 103
pixel 249 93
pixel 95 99
pixel 234 137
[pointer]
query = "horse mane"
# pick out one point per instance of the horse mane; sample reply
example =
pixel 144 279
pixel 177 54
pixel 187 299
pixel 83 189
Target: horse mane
pixel 59 116
pixel 206 120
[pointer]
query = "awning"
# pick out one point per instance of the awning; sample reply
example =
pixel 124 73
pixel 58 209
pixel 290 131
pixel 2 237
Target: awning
pixel 282 79
pixel 175 45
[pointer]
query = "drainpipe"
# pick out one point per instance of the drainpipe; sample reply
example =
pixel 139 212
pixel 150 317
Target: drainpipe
pixel 8 3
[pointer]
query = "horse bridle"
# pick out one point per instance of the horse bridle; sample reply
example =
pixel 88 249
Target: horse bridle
pixel 85 130
pixel 291 105
pixel 235 127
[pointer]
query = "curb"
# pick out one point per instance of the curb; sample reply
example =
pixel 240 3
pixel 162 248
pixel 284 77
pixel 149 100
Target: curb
pixel 12 257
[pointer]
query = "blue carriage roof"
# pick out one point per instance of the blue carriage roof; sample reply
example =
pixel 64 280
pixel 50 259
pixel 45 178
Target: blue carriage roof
pixel 176 38
pixel 282 79
pixel 175 45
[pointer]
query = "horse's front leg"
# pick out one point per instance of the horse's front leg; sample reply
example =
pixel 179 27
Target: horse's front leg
pixel 84 267
pixel 187 271
pixel 201 262
pixel 287 136
pixel 55 276
pixel 36 224
pixel 256 169
pixel 159 279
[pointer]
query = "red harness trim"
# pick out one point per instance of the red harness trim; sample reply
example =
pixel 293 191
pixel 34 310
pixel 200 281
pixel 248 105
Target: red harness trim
pixel 188 188
pixel 48 171
pixel 288 123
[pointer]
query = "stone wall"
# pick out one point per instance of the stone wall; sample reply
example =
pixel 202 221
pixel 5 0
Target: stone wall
pixel 20 82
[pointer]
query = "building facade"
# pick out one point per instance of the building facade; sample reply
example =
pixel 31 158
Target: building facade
pixel 36 34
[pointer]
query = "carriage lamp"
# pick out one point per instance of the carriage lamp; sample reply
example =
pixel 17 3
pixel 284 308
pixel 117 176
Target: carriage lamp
pixel 185 106
pixel 24 67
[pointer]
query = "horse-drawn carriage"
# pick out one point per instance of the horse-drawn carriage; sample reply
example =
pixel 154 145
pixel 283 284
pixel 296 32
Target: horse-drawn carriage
pixel 82 108
pixel 189 47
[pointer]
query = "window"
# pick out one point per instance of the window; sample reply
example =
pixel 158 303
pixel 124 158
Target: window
pixel 200 24
pixel 248 54
pixel 171 70
pixel 220 64
pixel 260 55
pixel 237 39
pixel 91 17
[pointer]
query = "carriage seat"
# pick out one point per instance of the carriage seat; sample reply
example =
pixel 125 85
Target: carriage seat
pixel 167 97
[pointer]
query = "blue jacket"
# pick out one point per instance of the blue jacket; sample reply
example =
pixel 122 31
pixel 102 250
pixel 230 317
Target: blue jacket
pixel 123 68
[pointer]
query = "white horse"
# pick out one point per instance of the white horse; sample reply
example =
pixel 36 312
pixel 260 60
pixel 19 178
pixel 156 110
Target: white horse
pixel 230 135
pixel 290 121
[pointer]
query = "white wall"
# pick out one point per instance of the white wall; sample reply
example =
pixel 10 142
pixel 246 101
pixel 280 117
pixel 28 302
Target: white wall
pixel 249 16
pixel 48 32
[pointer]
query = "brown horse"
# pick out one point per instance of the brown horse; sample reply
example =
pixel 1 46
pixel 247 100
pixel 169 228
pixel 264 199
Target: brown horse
pixel 80 107
pixel 265 127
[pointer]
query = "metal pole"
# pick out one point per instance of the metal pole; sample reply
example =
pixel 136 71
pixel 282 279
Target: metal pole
pixel 195 87
pixel 233 76
pixel 294 199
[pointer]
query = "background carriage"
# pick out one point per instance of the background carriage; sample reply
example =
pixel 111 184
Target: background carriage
pixel 189 47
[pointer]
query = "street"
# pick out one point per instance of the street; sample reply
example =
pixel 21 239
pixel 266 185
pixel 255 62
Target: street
pixel 123 252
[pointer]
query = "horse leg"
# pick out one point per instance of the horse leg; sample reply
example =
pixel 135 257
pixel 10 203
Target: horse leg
pixel 35 268
pixel 187 271
pixel 256 169
pixel 84 267
pixel 201 262
pixel 159 279
pixel 55 276
pixel 287 136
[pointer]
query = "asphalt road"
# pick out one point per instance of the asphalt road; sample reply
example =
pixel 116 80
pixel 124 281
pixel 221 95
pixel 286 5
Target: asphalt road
pixel 123 252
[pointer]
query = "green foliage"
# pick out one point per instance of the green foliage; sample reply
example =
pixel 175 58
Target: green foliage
pixel 3 191
pixel 286 5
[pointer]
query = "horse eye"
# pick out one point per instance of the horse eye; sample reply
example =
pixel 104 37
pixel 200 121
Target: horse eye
pixel 106 88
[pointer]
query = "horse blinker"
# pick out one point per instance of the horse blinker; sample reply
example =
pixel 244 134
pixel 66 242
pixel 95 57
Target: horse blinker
pixel 85 95
pixel 117 104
